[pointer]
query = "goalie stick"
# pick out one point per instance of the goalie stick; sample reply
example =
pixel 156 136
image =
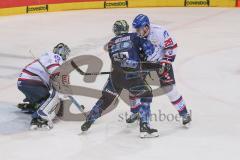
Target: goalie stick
pixel 80 107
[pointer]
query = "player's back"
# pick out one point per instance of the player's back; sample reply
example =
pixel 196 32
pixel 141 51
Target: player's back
pixel 124 53
pixel 125 43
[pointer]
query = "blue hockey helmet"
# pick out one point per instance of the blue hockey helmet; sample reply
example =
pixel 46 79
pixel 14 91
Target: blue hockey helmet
pixel 141 21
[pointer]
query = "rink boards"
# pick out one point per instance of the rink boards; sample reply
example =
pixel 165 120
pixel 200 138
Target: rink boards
pixel 9 7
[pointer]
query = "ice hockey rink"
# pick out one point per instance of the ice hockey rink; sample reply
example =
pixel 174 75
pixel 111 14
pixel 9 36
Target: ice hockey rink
pixel 207 69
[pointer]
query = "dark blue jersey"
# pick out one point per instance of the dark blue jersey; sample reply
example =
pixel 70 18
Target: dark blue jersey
pixel 125 51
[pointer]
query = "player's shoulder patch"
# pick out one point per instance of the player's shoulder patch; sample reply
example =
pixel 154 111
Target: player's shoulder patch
pixel 57 58
pixel 165 34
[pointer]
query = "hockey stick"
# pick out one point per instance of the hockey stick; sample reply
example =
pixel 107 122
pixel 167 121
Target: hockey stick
pixel 86 73
pixel 80 107
pixel 101 73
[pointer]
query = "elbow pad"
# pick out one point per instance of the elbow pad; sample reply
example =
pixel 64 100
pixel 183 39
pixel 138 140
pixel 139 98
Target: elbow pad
pixel 129 64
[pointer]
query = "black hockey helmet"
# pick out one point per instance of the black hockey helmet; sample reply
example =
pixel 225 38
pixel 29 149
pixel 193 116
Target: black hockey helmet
pixel 63 50
pixel 120 27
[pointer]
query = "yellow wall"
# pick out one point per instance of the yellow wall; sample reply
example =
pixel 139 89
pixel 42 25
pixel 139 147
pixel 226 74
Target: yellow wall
pixel 223 3
pixel 100 4
pixel 12 11
pixel 75 6
pixel 156 3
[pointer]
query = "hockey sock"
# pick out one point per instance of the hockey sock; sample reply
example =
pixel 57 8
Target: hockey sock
pixel 96 112
pixel 177 101
pixel 180 106
pixel 145 112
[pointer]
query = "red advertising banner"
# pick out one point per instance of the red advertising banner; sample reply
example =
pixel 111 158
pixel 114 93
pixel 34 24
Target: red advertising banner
pixel 238 3
pixel 17 3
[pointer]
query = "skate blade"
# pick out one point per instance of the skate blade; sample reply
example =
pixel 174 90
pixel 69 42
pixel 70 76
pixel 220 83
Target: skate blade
pixel 188 125
pixel 133 121
pixel 147 135
pixel 33 127
pixel 82 133
pixel 132 125
pixel 42 128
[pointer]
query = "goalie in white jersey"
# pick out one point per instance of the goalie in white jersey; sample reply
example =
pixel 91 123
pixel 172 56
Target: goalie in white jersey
pixel 34 82
pixel 165 53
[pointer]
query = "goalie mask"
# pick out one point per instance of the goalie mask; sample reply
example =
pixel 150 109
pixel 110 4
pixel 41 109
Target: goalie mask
pixel 63 50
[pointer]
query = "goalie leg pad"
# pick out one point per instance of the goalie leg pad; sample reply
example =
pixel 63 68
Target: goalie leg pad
pixel 47 109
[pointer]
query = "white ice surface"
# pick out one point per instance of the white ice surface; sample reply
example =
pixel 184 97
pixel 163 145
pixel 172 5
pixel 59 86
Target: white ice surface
pixel 207 71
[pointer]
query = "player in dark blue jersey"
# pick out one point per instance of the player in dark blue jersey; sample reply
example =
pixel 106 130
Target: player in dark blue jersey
pixel 124 50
